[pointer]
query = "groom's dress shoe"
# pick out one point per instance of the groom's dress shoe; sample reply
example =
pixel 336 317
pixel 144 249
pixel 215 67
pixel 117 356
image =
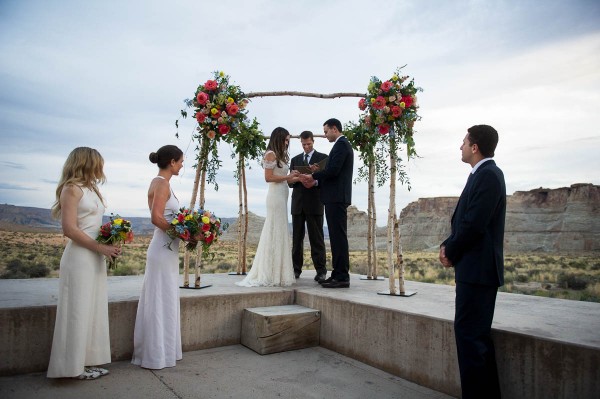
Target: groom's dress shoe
pixel 320 277
pixel 325 280
pixel 297 275
pixel 336 284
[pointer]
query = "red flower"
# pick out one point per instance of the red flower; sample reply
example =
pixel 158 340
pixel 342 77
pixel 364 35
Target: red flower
pixel 181 218
pixel 200 117
pixel 202 98
pixel 205 227
pixel 396 111
pixel 386 86
pixel 129 237
pixel 407 100
pixel 383 128
pixel 379 103
pixel 210 85
pixel 362 104
pixel 185 235
pixel 232 109
pixel 224 129
pixel 209 239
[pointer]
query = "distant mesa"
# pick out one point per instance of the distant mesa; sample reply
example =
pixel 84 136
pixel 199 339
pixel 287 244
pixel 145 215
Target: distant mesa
pixel 565 219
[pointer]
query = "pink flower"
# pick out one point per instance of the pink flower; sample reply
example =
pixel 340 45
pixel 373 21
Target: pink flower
pixel 211 134
pixel 396 111
pixel 407 100
pixel 386 86
pixel 232 109
pixel 362 104
pixel 384 128
pixel 202 98
pixel 379 102
pixel 210 85
pixel 200 117
pixel 223 129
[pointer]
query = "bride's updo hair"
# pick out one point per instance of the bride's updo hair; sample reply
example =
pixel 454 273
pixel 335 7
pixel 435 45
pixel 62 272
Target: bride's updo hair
pixel 165 155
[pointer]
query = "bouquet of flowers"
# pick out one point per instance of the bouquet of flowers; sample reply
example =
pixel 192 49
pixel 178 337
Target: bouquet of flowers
pixel 184 226
pixel 219 106
pixel 117 231
pixel 391 107
pixel 210 229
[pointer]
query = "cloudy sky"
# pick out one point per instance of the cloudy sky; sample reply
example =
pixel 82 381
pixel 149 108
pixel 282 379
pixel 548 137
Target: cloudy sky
pixel 113 75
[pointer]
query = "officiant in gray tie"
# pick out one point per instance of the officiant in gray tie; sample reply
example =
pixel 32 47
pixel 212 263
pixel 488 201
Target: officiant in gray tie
pixel 307 213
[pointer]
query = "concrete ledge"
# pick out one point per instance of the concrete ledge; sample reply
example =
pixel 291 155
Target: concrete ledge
pixel 545 347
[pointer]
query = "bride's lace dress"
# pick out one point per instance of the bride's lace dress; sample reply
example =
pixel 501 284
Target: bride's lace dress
pixel 272 264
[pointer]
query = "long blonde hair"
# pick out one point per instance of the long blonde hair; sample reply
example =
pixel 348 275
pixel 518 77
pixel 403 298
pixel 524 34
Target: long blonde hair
pixel 83 167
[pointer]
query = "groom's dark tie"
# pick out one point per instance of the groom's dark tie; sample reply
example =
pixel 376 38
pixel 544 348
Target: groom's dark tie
pixel 306 159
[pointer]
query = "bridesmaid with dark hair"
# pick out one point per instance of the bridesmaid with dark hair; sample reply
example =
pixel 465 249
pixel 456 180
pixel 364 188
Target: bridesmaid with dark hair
pixel 157 335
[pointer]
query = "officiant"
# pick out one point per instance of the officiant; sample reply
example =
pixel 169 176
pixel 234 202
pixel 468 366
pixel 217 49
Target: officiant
pixel 307 212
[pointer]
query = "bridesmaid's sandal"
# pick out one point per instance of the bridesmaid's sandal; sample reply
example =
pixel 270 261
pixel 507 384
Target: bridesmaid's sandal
pixel 100 370
pixel 88 375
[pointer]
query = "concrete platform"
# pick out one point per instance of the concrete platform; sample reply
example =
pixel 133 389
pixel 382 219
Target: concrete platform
pixel 546 347
pixel 229 372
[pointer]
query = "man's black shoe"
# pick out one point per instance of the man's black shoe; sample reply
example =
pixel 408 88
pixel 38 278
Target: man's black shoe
pixel 326 280
pixel 336 284
pixel 297 275
pixel 320 277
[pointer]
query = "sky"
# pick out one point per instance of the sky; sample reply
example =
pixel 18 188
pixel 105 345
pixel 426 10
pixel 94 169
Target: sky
pixel 113 75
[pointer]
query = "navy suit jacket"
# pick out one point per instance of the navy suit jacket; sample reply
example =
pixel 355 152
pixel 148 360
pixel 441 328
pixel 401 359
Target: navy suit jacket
pixel 335 181
pixel 476 244
pixel 304 199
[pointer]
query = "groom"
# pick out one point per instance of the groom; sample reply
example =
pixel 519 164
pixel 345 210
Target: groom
pixel 307 210
pixel 335 182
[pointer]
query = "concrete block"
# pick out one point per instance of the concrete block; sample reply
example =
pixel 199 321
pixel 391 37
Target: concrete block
pixel 280 328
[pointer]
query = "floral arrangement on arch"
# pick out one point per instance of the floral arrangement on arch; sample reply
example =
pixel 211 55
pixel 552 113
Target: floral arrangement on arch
pixel 391 107
pixel 220 108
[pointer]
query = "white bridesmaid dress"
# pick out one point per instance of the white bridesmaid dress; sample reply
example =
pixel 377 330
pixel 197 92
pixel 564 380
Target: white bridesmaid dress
pixel 81 336
pixel 157 335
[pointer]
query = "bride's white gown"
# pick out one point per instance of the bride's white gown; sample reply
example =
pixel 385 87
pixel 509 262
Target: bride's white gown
pixel 272 264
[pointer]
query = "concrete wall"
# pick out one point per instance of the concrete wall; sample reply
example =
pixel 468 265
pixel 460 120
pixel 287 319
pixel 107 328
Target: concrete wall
pixel 422 347
pixel 206 322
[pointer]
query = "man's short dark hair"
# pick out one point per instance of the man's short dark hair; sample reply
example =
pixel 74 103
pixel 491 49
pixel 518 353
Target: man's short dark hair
pixel 307 134
pixel 334 123
pixel 486 138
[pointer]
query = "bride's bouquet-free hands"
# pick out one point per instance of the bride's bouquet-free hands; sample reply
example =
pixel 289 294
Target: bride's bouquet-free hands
pixel 117 231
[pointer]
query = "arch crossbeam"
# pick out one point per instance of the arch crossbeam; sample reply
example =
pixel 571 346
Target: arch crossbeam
pixel 301 94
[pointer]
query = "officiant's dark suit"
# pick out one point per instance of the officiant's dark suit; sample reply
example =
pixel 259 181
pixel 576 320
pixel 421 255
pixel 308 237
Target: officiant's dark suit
pixel 475 250
pixel 307 209
pixel 335 183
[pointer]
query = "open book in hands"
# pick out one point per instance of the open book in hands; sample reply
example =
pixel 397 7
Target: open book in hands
pixel 306 169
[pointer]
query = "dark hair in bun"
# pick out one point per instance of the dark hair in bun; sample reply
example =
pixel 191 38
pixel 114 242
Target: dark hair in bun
pixel 165 155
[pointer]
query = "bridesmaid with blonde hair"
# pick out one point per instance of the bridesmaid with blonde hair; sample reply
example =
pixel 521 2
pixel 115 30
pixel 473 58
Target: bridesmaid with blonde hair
pixel 81 339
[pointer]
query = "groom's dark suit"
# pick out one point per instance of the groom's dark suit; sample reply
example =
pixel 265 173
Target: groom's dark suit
pixel 475 248
pixel 335 183
pixel 307 209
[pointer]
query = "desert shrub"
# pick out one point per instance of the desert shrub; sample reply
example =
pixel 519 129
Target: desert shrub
pixel 16 268
pixel 123 270
pixel 509 268
pixel 521 278
pixel 572 281
pixel 578 264
pixel 595 266
pixel 445 274
pixel 224 267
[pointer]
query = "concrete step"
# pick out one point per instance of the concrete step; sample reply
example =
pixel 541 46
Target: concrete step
pixel 274 329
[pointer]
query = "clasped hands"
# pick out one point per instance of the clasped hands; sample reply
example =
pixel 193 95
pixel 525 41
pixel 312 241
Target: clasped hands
pixel 443 259
pixel 307 180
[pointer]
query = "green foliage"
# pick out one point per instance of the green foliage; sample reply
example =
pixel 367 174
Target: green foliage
pixel 16 268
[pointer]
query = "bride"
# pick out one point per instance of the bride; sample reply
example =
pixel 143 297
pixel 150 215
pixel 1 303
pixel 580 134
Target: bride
pixel 272 264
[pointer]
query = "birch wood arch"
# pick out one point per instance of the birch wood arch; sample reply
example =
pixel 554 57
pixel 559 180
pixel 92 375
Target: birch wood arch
pixel 368 124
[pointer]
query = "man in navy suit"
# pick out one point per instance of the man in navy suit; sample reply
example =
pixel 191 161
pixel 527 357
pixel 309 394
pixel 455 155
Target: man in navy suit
pixel 475 250
pixel 335 183
pixel 307 210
